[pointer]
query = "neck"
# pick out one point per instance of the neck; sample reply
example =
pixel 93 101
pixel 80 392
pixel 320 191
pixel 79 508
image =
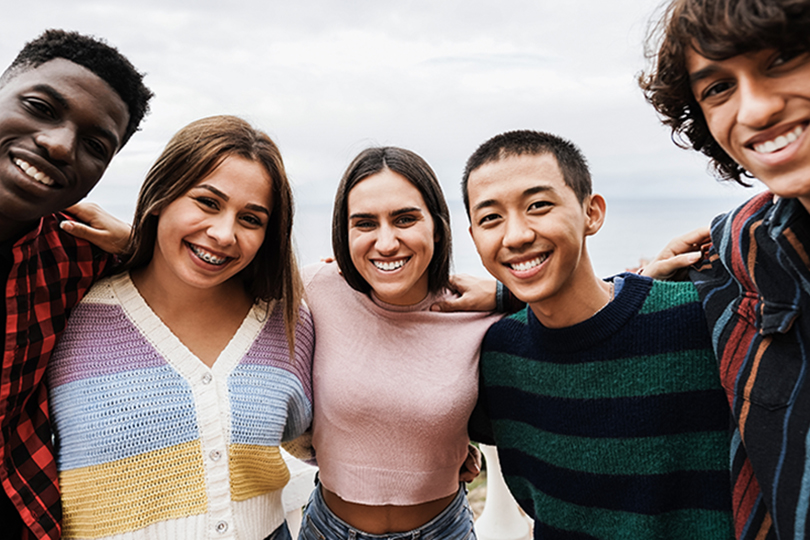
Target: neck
pixel 169 299
pixel 577 300
pixel 14 229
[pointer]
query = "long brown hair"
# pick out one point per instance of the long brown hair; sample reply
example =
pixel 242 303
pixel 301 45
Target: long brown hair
pixel 191 155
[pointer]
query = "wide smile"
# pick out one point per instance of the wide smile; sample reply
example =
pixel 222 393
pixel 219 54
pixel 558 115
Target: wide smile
pixel 527 265
pixel 780 142
pixel 390 266
pixel 34 173
pixel 207 256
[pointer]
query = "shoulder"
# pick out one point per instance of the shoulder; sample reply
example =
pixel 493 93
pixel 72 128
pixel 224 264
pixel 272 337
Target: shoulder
pixel 669 294
pixel 509 329
pixel 754 209
pixel 52 245
pixel 322 276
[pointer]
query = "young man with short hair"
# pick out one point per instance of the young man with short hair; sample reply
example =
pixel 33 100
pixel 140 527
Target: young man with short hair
pixel 732 80
pixel 68 103
pixel 602 395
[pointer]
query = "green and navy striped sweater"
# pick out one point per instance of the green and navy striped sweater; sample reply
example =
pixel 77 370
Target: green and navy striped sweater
pixel 615 427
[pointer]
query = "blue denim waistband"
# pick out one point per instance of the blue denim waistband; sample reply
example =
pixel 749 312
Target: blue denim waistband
pixel 453 523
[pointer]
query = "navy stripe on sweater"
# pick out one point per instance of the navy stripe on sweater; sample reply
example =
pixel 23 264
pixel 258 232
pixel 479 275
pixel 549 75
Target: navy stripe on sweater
pixel 648 416
pixel 640 494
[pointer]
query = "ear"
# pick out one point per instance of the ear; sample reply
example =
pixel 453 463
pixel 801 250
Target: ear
pixel 595 208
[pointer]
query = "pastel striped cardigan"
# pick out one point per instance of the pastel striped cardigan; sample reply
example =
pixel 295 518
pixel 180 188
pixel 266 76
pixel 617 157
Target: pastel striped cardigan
pixel 151 443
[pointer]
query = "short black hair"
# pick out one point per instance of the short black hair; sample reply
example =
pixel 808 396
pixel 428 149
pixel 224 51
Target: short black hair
pixel 415 170
pixel 95 55
pixel 572 162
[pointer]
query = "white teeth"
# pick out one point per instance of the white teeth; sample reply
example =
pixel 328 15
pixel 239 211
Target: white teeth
pixel 780 142
pixel 207 257
pixel 388 266
pixel 34 173
pixel 528 265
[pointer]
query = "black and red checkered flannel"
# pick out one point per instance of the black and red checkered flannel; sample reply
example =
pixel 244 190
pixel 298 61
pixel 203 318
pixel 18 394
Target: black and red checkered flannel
pixel 51 272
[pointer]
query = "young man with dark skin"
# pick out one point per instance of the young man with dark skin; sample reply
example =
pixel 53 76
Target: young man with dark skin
pixel 602 395
pixel 732 80
pixel 68 104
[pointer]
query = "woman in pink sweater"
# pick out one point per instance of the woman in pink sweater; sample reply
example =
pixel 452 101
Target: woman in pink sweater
pixel 394 382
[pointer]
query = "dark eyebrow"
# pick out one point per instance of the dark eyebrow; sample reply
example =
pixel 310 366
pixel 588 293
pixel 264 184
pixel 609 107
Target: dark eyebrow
pixel 57 96
pixel 531 191
pixel 224 197
pixel 704 73
pixel 398 212
pixel 406 210
pixel 54 94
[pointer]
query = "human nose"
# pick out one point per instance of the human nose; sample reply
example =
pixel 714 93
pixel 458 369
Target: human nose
pixel 387 240
pixel 59 142
pixel 759 103
pixel 223 230
pixel 518 233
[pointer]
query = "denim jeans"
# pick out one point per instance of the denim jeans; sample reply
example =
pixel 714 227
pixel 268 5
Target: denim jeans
pixel 454 523
pixel 282 533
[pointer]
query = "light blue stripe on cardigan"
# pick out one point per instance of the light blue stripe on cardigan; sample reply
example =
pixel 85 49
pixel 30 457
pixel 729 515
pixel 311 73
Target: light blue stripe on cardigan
pixel 261 397
pixel 112 417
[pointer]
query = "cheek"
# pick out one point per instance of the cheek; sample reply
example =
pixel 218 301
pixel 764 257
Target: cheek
pixel 718 122
pixel 357 247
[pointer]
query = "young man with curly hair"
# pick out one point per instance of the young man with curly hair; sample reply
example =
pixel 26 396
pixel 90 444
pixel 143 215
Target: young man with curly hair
pixel 732 80
pixel 68 103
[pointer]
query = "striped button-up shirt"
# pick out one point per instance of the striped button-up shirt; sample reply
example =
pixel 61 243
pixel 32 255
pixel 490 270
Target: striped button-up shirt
pixel 755 289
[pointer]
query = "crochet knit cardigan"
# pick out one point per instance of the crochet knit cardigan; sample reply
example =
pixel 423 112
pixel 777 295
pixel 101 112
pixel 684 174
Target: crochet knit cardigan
pixel 152 443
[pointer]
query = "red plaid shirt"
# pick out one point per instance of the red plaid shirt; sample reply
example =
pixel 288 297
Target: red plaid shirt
pixel 51 272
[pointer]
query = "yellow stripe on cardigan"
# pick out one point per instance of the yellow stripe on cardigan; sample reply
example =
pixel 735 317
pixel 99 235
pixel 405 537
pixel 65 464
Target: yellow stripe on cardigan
pixel 132 493
pixel 256 470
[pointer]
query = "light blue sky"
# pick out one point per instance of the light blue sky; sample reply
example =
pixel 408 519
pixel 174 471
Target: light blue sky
pixel 327 79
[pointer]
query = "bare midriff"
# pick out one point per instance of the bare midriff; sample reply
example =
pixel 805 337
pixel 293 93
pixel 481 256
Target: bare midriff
pixel 384 519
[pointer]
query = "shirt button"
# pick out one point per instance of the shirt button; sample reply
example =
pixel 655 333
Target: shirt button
pixel 222 527
pixel 215 455
pixel 206 378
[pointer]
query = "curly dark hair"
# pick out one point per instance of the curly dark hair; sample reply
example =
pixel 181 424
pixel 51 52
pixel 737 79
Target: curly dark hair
pixel 716 29
pixel 95 55
pixel 570 160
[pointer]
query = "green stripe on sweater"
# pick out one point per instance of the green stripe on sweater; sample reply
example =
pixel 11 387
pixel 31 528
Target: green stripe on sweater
pixel 627 456
pixel 682 371
pixel 617 525
pixel 666 295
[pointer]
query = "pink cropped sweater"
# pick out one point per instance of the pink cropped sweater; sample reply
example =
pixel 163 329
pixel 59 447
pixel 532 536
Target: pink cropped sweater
pixel 394 387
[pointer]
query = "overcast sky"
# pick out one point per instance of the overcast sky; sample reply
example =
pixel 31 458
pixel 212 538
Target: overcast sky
pixel 327 79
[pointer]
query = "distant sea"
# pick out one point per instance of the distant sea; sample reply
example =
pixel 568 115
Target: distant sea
pixel 634 229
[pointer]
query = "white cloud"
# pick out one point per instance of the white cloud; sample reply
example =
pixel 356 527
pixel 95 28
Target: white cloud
pixel 326 79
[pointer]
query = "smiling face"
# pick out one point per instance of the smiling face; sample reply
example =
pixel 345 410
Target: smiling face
pixel 757 107
pixel 60 125
pixel 213 231
pixel 391 237
pixel 529 227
